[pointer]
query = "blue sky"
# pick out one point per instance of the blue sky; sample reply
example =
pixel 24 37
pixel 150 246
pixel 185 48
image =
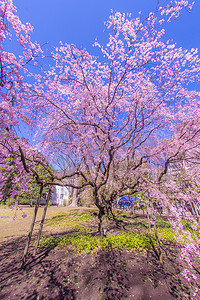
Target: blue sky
pixel 80 22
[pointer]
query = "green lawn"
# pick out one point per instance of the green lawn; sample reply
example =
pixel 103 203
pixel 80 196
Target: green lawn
pixel 78 227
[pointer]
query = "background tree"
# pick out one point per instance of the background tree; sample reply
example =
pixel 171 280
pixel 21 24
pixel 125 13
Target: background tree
pixel 12 89
pixel 29 196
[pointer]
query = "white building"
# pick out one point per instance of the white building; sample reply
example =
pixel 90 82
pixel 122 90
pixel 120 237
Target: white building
pixel 60 196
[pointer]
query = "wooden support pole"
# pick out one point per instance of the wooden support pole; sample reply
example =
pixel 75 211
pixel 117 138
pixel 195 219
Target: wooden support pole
pixel 31 227
pixel 42 221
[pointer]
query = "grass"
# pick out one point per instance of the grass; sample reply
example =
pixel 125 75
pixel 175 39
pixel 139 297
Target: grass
pixel 89 243
pixel 76 221
pixel 81 225
pixel 166 234
pixel 78 227
pixel 11 229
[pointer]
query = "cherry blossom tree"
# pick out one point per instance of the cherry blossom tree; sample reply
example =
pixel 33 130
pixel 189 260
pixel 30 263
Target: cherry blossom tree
pixel 19 162
pixel 12 86
pixel 175 184
pixel 102 112
pixel 112 114
pixel 109 116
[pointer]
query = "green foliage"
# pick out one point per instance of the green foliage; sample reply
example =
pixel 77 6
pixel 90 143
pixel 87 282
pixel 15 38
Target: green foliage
pixel 30 196
pixel 8 185
pixel 166 234
pixel 27 191
pixel 10 201
pixel 88 243
pixel 84 222
pixel 69 220
pixel 82 218
pixel 188 226
pixel 84 241
pixel 8 159
pixel 58 218
pixel 129 241
pixel 83 213
pixel 162 223
pixel 108 217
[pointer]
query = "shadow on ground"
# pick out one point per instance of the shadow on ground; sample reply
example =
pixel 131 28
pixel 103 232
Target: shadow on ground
pixel 62 273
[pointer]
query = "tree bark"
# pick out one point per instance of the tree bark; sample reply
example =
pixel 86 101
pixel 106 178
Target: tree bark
pixel 109 209
pixel 74 197
pixel 31 227
pixel 42 221
pixel 100 215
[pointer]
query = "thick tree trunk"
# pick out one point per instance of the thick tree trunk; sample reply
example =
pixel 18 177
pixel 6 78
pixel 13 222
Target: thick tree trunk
pixel 109 209
pixel 100 215
pixel 42 221
pixel 31 227
pixel 75 197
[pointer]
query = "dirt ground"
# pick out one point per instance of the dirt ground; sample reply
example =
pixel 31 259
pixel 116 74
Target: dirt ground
pixel 63 273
